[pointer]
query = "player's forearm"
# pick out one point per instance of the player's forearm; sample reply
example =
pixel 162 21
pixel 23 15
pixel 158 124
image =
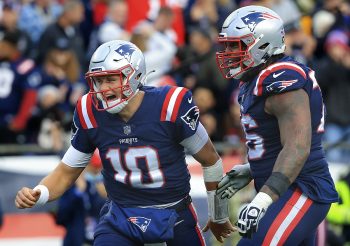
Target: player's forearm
pixel 60 180
pixel 291 160
pixel 288 165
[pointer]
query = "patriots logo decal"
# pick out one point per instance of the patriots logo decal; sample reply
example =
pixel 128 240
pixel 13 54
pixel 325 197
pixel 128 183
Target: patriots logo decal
pixel 126 51
pixel 279 86
pixel 191 117
pixel 252 19
pixel 140 222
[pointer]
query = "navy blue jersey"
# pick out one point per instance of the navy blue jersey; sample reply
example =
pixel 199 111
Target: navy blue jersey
pixel 143 160
pixel 262 131
pixel 15 78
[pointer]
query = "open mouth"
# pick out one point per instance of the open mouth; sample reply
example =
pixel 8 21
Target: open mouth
pixel 111 98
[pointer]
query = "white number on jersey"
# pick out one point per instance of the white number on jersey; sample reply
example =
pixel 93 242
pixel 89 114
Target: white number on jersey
pixel 131 171
pixel 315 85
pixel 6 80
pixel 255 143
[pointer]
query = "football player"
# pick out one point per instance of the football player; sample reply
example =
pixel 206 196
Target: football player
pixel 142 133
pixel 19 81
pixel 283 115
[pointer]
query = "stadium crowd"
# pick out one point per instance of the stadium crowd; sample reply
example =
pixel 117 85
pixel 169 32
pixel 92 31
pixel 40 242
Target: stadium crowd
pixel 45 46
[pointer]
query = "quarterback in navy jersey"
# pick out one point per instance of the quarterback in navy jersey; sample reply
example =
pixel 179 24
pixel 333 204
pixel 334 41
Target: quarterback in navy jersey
pixel 282 114
pixel 142 134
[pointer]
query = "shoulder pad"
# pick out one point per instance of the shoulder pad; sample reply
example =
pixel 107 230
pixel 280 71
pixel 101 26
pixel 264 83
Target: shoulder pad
pixel 172 102
pixel 280 77
pixel 85 112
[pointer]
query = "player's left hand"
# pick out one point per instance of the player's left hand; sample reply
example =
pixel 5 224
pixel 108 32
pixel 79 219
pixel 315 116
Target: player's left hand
pixel 220 231
pixel 250 214
pixel 234 180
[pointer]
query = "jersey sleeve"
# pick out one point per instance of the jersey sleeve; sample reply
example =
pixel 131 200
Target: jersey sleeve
pixel 180 109
pixel 188 117
pixel 279 78
pixel 79 135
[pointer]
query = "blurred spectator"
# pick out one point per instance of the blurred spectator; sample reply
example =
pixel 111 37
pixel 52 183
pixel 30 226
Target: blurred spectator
pixel 333 15
pixel 8 22
pixel 202 13
pixel 99 11
pixel 197 67
pixel 36 15
pixel 65 29
pixel 333 75
pixel 339 213
pixel 18 88
pixel 205 101
pixel 233 131
pixel 113 26
pixel 62 85
pixel 299 45
pixel 50 132
pixel 149 10
pixel 79 207
pixel 158 41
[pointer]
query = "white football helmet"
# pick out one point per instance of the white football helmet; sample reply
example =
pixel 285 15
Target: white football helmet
pixel 121 58
pixel 250 35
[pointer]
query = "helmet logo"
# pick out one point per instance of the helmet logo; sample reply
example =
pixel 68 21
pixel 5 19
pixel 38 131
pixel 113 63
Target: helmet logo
pixel 252 19
pixel 126 51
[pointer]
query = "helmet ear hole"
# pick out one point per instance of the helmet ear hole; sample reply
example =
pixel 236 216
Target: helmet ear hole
pixel 138 76
pixel 262 47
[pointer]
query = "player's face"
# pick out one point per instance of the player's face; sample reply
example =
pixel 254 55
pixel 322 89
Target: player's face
pixel 110 86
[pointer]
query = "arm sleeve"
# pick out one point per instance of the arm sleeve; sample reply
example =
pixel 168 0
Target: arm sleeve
pixel 196 142
pixel 75 158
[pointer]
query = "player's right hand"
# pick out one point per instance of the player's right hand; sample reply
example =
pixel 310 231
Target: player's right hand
pixel 234 180
pixel 27 198
pixel 220 231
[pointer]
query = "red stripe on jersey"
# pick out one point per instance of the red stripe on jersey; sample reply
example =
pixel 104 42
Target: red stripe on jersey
pixel 260 82
pixel 89 111
pixel 295 221
pixel 274 68
pixel 166 103
pixel 80 114
pixel 280 217
pixel 177 104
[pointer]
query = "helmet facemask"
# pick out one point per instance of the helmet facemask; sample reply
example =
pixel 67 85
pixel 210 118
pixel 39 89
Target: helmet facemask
pixel 257 33
pixel 115 96
pixel 234 58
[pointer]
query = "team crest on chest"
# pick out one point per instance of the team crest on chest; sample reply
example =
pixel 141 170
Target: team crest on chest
pixel 127 129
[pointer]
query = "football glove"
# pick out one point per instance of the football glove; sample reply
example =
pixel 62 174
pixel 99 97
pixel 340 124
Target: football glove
pixel 234 180
pixel 250 214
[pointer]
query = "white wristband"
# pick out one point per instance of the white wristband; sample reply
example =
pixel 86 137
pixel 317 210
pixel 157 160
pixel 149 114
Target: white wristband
pixel 214 172
pixel 44 194
pixel 263 200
